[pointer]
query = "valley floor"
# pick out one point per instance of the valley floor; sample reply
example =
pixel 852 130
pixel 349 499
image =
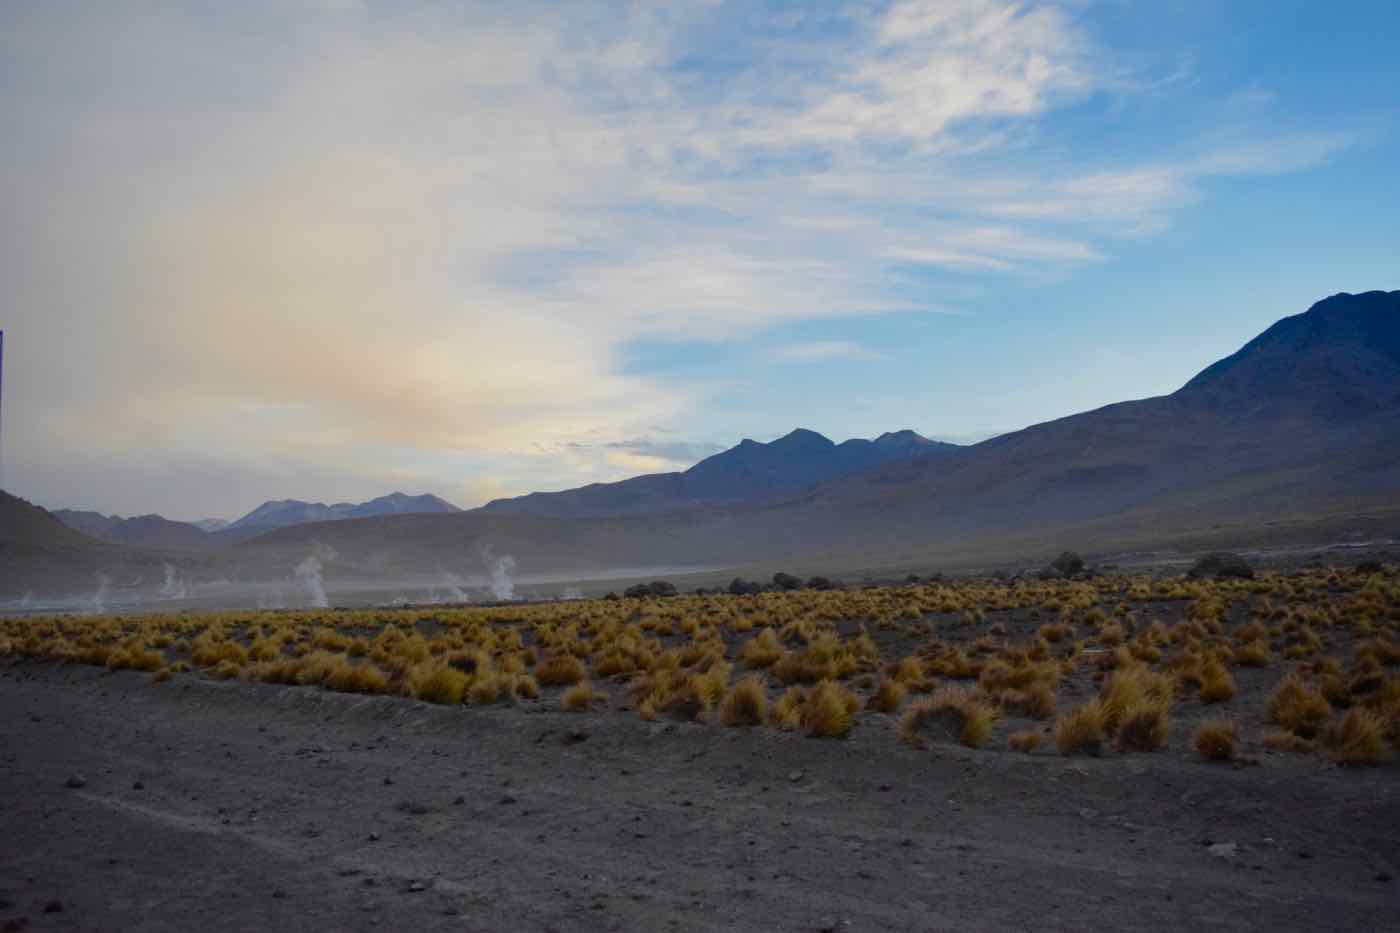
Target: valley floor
pixel 231 806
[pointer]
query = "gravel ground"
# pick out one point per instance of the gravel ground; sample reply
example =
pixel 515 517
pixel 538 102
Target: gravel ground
pixel 230 806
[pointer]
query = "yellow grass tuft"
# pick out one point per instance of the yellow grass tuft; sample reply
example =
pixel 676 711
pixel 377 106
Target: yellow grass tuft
pixel 829 710
pixel 560 670
pixel 763 650
pixel 435 682
pixel 1144 726
pixel 746 704
pixel 959 714
pixel 1287 742
pixel 888 696
pixel 1217 685
pixel 786 714
pixel 1298 708
pixel 580 697
pixel 1215 739
pixel 1357 739
pixel 1081 729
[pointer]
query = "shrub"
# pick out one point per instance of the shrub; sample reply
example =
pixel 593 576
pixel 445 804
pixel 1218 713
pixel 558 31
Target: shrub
pixel 1357 739
pixel 829 710
pixel 1215 739
pixel 1287 742
pixel 787 712
pixel 356 678
pixel 1144 726
pixel 1216 683
pixel 435 682
pixel 560 670
pixel 1298 708
pixel 958 713
pixel 580 697
pixel 1254 653
pixel 763 650
pixel 1081 729
pixel 888 696
pixel 1129 687
pixel 746 704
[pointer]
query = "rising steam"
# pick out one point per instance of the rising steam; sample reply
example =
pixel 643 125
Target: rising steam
pixel 99 599
pixel 309 573
pixel 500 569
pixel 174 587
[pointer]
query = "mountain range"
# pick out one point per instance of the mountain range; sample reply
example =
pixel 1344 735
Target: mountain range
pixel 154 531
pixel 1295 438
pixel 750 473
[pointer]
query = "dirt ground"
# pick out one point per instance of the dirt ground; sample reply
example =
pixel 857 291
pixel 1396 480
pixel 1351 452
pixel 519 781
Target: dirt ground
pixel 234 806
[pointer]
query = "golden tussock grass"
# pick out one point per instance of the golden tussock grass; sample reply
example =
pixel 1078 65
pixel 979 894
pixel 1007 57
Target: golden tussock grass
pixel 763 650
pixel 580 697
pixel 1288 742
pixel 348 677
pixel 1217 685
pixel 1358 738
pixel 1130 687
pixel 435 682
pixel 1144 726
pixel 135 658
pixel 1253 654
pixel 786 714
pixel 746 704
pixel 888 696
pixel 1027 741
pixel 560 670
pixel 959 714
pixel 1298 708
pixel 828 710
pixel 1215 739
pixel 1081 729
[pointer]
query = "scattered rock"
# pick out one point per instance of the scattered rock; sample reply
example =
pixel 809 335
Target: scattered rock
pixel 1225 850
pixel 374 837
pixel 137 785
pixel 1383 876
pixel 416 886
pixel 412 807
pixel 279 894
pixel 576 735
pixel 54 906
pixel 75 781
pixel 507 800
pixel 458 800
pixel 388 780
pixel 795 776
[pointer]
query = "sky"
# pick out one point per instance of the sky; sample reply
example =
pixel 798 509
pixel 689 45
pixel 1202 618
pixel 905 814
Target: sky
pixel 334 248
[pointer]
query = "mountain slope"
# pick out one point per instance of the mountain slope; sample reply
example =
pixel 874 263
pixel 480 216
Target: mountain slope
pixel 749 473
pixel 284 512
pixel 139 531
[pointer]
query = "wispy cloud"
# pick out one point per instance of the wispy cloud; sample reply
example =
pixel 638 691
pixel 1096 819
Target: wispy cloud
pixel 819 351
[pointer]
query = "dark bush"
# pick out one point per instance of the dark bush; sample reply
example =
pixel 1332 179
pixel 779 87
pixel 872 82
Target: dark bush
pixel 1068 564
pixel 1222 565
pixel 741 587
pixel 786 581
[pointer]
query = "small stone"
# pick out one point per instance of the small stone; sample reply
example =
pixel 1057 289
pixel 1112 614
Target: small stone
pixel 575 735
pixel 374 837
pixel 795 776
pixel 1224 850
pixel 827 924
pixel 279 893
pixel 507 800
pixel 415 886
pixel 75 781
pixel 137 785
pixel 54 906
pixel 886 788
pixel 388 780
pixel 1383 876
pixel 458 800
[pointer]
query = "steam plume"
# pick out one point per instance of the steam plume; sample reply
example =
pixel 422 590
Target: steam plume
pixel 174 587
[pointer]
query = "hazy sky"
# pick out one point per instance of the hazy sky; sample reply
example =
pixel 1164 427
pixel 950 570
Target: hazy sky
pixel 329 249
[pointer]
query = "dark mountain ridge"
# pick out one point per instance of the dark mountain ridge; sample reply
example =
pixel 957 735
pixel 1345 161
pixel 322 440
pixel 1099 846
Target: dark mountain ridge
pixel 750 473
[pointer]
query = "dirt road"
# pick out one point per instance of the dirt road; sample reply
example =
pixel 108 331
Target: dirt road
pixel 227 806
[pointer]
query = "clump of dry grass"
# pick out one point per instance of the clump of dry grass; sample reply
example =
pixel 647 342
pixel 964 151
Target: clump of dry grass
pixel 348 677
pixel 829 710
pixel 1253 653
pixel 746 704
pixel 1298 708
pixel 560 670
pixel 1358 738
pixel 135 657
pixel 1027 740
pixel 435 682
pixel 1144 726
pixel 888 696
pixel 786 714
pixel 1217 685
pixel 580 697
pixel 1287 742
pixel 960 714
pixel 1129 688
pixel 1215 739
pixel 1081 729
pixel 763 650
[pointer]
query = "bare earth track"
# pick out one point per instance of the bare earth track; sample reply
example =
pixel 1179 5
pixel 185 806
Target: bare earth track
pixel 234 806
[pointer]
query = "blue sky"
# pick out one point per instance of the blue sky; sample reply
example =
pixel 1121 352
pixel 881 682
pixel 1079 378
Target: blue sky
pixel 329 249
